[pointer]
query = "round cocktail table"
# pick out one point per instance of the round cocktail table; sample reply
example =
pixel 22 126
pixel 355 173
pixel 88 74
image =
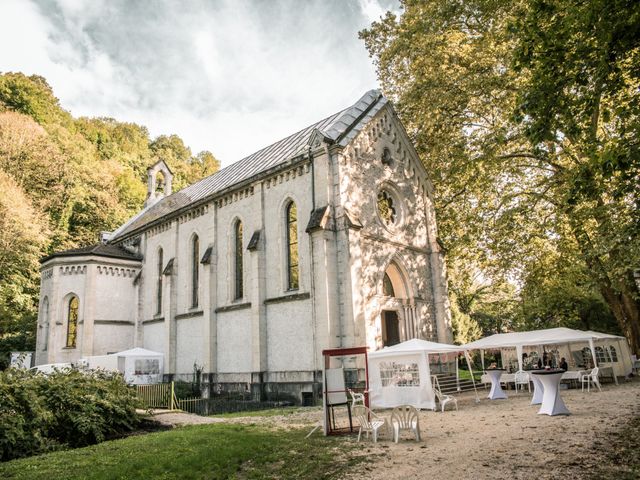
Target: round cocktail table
pixel 538 389
pixel 552 403
pixel 496 392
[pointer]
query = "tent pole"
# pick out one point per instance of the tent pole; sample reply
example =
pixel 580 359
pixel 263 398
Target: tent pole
pixel 593 352
pixel 473 381
pixel 482 359
pixel 457 375
pixel 519 353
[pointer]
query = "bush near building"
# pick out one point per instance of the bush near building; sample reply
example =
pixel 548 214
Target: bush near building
pixel 69 408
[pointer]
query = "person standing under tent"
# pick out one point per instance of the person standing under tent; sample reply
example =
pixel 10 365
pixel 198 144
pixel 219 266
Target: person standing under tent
pixel 563 364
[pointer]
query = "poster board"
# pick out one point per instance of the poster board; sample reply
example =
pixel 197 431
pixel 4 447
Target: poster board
pixel 336 389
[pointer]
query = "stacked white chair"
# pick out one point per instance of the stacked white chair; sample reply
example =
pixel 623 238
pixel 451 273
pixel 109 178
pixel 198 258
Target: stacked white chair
pixel 589 378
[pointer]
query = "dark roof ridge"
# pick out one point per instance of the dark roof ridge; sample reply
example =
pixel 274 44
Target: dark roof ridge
pixel 98 250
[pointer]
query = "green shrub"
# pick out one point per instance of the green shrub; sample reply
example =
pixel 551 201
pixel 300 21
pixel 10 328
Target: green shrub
pixel 23 415
pixel 67 408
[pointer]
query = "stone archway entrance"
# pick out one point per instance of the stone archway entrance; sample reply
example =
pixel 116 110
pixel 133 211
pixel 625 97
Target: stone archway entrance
pixel 390 328
pixel 396 317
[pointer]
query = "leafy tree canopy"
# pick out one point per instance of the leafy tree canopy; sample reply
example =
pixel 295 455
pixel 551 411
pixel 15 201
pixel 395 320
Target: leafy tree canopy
pixel 526 114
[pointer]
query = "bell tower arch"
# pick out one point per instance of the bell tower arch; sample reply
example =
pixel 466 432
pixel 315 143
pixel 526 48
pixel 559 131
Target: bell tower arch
pixel 159 179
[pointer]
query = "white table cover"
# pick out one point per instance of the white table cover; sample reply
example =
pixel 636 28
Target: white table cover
pixel 496 392
pixel 552 403
pixel 538 390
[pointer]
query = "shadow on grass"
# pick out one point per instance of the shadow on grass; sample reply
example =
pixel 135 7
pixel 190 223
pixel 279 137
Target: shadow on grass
pixel 216 451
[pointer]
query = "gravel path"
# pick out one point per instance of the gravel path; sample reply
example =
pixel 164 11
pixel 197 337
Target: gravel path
pixel 179 419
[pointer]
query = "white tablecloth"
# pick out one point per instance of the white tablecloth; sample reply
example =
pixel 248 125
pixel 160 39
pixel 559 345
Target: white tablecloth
pixel 552 403
pixel 496 392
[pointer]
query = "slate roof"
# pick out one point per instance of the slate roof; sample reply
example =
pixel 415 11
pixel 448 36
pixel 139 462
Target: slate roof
pixel 98 250
pixel 340 128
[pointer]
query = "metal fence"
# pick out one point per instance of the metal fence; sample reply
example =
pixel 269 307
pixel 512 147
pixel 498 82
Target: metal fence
pixel 231 404
pixel 167 395
pixel 160 395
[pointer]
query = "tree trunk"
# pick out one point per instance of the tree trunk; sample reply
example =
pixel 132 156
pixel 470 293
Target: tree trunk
pixel 623 301
pixel 627 312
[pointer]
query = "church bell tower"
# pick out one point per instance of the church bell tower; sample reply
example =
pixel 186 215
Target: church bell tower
pixel 159 178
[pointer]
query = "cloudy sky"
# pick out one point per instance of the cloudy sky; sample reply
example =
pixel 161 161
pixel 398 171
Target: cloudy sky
pixel 229 76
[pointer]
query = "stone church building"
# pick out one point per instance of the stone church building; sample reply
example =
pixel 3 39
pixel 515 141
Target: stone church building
pixel 326 238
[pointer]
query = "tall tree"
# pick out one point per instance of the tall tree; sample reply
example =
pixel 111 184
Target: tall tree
pixel 474 81
pixel 580 107
pixel 22 237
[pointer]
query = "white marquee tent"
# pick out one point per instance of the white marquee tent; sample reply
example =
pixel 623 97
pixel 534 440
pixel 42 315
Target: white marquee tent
pixel 556 336
pixel 400 375
pixel 138 365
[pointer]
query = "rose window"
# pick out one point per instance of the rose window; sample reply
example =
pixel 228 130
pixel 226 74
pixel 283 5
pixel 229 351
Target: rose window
pixel 386 208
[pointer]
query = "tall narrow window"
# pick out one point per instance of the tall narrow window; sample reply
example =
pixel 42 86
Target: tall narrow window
pixel 195 263
pixel 45 323
pixel 238 259
pixel 159 286
pixel 72 322
pixel 293 276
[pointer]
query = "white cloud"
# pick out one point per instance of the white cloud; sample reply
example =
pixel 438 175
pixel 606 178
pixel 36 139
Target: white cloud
pixel 227 76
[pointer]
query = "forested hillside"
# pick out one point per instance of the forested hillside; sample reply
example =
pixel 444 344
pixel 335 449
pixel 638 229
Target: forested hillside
pixel 62 181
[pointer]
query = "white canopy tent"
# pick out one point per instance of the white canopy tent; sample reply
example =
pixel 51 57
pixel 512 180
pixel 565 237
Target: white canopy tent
pixel 138 365
pixel 400 375
pixel 551 336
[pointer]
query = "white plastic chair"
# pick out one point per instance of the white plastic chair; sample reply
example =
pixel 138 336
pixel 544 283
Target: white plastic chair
pixel 589 378
pixel 356 398
pixel 369 421
pixel 405 418
pixel 443 399
pixel 521 379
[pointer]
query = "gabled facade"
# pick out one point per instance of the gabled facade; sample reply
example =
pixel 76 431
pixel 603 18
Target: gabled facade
pixel 324 239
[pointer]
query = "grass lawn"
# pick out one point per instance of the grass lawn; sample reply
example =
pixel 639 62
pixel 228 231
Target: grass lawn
pixel 465 375
pixel 271 412
pixel 197 452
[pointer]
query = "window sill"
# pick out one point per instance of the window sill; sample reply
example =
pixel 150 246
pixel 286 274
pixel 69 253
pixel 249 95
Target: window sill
pixel 288 298
pixel 232 307
pixel 153 320
pixel 193 314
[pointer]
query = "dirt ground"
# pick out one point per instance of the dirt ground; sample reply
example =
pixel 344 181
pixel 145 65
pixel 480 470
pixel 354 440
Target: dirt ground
pixel 507 439
pixel 500 439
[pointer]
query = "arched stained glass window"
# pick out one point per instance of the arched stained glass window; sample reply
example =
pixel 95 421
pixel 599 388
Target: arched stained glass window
pixel 293 273
pixel 195 270
pixel 159 286
pixel 72 322
pixel 387 286
pixel 238 259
